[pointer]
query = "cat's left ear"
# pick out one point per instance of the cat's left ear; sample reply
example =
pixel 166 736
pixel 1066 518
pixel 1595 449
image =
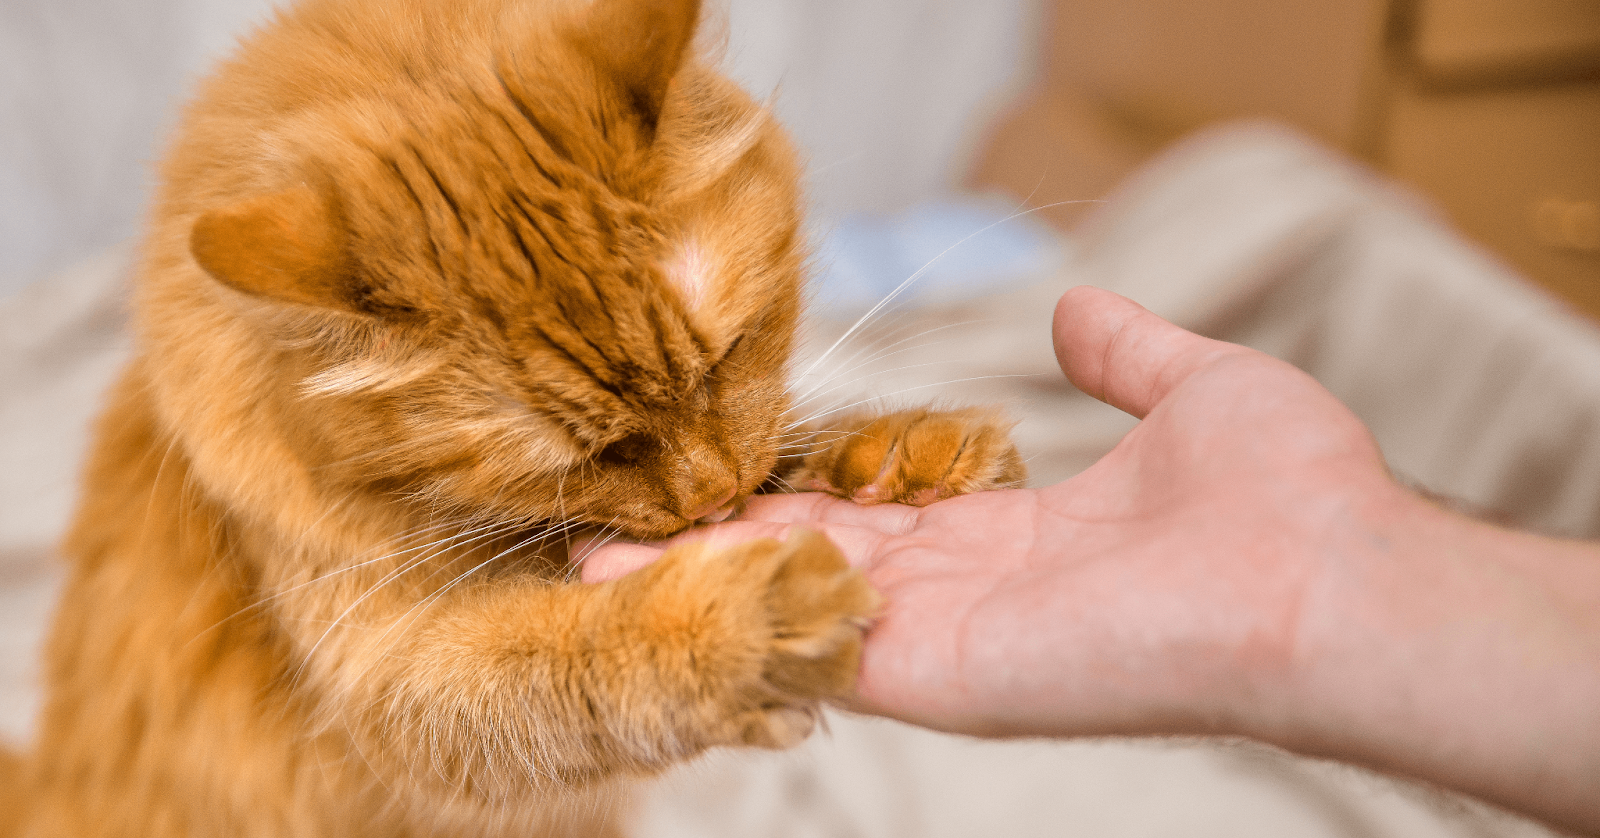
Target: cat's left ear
pixel 287 246
pixel 641 45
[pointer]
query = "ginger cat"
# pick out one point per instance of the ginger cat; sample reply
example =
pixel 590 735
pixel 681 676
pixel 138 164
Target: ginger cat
pixel 429 287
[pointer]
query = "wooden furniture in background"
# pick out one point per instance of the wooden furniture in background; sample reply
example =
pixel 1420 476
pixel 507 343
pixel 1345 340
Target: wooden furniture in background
pixel 1490 107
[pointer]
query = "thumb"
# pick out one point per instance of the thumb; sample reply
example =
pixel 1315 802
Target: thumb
pixel 1120 353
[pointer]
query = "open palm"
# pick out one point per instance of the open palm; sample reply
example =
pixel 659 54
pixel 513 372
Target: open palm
pixel 1241 563
pixel 1114 601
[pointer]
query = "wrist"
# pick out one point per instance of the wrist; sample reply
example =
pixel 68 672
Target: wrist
pixel 1438 647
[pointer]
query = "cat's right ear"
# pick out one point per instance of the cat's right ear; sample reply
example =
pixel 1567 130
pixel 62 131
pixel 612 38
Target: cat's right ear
pixel 640 45
pixel 287 246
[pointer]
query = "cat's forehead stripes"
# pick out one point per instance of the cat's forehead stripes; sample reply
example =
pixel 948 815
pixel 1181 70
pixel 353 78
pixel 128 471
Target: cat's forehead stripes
pixel 531 256
pixel 612 292
pixel 578 264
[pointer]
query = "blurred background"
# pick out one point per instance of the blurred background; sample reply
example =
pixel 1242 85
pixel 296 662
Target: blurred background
pixel 1490 107
pixel 887 98
pixel 1400 196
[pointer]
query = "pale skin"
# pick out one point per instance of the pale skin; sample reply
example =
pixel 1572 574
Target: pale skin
pixel 1241 564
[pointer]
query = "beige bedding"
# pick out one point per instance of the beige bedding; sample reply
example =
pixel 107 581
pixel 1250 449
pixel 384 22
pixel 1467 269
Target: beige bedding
pixel 1475 385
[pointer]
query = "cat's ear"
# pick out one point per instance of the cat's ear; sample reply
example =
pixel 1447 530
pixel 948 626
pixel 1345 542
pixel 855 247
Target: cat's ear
pixel 287 246
pixel 640 45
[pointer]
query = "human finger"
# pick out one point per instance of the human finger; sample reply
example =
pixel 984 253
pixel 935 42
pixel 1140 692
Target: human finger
pixel 817 509
pixel 600 558
pixel 1117 351
pixel 602 562
pixel 599 561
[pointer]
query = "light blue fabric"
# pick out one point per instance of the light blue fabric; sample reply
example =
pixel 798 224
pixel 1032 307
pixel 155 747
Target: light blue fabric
pixel 955 248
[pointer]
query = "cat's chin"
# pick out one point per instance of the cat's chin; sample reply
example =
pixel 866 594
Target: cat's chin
pixel 660 524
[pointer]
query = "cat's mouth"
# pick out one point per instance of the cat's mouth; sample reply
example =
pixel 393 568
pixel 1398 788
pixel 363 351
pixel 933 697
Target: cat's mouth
pixel 655 525
pixel 718 516
pixel 654 522
pixel 631 529
pixel 600 554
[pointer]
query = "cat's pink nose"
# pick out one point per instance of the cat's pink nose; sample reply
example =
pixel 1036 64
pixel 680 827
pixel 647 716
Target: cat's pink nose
pixel 716 510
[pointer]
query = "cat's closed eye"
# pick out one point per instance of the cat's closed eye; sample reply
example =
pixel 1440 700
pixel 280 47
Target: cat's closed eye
pixel 630 450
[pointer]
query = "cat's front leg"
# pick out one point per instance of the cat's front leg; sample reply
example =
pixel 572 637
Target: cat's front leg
pixel 513 688
pixel 913 456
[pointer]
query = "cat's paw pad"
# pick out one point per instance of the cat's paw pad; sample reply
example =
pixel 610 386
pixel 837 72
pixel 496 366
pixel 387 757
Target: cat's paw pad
pixel 914 457
pixel 816 608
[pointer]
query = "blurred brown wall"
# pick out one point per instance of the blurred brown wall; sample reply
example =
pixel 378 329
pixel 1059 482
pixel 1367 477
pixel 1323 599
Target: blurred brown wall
pixel 1491 107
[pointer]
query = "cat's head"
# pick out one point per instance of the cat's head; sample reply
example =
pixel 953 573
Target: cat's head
pixel 559 281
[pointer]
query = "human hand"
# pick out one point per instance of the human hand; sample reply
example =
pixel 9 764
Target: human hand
pixel 1151 593
pixel 1241 563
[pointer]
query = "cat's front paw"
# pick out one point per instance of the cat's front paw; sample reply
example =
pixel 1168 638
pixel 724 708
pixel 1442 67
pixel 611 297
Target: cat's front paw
pixel 817 607
pixel 790 616
pixel 914 457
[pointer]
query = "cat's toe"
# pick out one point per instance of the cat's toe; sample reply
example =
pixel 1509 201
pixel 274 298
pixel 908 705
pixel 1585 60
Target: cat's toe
pixel 818 606
pixel 777 727
pixel 769 629
pixel 917 457
pixel 817 609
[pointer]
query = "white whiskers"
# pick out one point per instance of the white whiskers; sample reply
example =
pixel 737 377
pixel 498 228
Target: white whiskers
pixel 812 387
